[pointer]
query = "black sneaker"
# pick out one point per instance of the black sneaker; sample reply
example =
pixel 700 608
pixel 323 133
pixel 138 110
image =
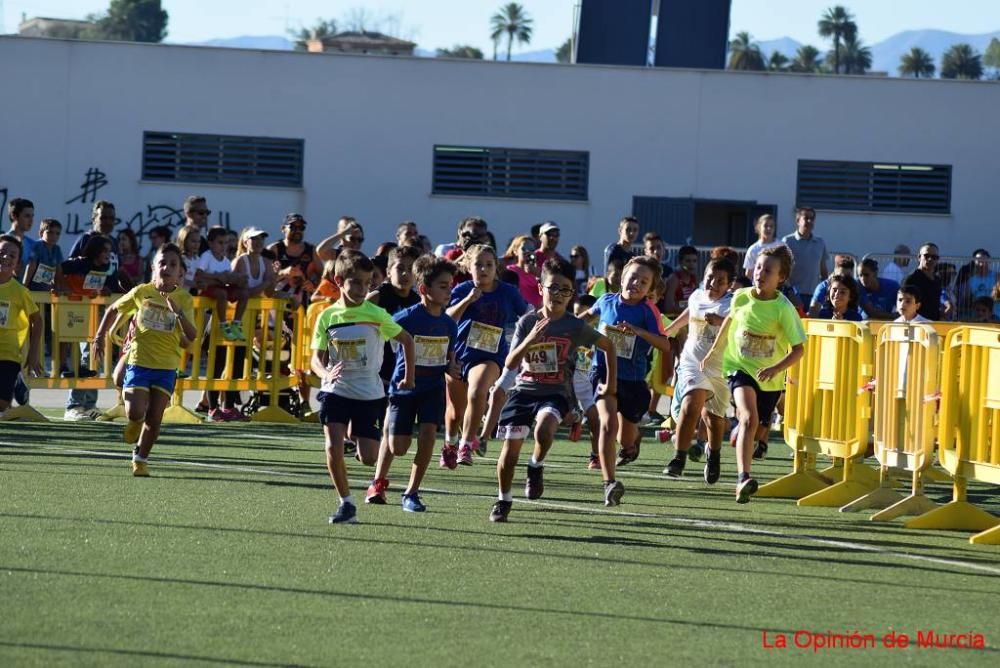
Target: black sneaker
pixel 675 468
pixel 613 493
pixel 500 510
pixel 745 489
pixel 713 467
pixel 350 447
pixel 534 486
pixel 627 456
pixel 696 451
pixel 346 514
pixel 760 451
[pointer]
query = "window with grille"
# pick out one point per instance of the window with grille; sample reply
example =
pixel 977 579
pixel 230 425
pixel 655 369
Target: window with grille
pixel 200 158
pixel 510 172
pixel 868 186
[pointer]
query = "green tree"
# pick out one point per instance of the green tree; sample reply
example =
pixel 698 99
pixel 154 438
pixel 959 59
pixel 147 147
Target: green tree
pixel 839 24
pixel 992 57
pixel 917 63
pixel 806 60
pixel 131 21
pixel 855 57
pixel 744 54
pixel 778 62
pixel 564 54
pixel 961 62
pixel 319 31
pixel 514 23
pixel 461 51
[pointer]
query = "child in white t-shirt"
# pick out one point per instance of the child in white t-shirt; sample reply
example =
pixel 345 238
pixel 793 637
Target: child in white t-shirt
pixel 215 277
pixel 907 305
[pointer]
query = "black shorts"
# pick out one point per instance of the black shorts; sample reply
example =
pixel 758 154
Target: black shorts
pixel 520 411
pixel 766 401
pixel 362 415
pixel 425 407
pixel 633 398
pixel 8 378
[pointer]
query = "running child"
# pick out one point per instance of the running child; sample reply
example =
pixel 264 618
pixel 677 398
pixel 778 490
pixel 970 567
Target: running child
pixel 434 335
pixel 164 321
pixel 481 307
pixel 702 394
pixel 634 326
pixel 17 308
pixel 544 348
pixel 762 337
pixel 347 354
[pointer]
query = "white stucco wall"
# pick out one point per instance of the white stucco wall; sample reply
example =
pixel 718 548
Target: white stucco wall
pixel 369 125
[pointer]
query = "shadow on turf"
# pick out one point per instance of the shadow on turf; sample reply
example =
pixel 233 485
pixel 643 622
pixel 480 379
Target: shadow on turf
pixel 135 653
pixel 695 623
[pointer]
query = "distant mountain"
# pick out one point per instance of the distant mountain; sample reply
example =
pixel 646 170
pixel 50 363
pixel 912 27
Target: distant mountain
pixel 783 45
pixel 268 42
pixel 887 53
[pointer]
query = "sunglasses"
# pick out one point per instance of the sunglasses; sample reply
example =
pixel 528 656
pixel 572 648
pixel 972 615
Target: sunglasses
pixel 297 228
pixel 552 233
pixel 202 212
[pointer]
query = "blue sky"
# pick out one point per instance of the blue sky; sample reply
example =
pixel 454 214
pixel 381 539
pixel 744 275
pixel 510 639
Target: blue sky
pixel 439 23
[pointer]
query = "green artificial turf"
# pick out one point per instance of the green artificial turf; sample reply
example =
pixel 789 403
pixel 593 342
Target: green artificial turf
pixel 225 556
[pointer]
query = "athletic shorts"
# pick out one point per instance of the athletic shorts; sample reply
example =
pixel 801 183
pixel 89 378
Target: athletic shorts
pixel 766 401
pixel 8 378
pixel 467 367
pixel 425 407
pixel 520 411
pixel 361 414
pixel 583 391
pixel 142 378
pixel 633 398
pixel 688 379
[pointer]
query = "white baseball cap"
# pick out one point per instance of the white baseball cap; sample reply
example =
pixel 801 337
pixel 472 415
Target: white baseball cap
pixel 253 232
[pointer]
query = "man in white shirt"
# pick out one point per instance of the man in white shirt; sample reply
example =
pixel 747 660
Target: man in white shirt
pixel 895 270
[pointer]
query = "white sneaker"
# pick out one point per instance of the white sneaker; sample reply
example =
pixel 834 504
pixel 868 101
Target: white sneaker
pixel 78 414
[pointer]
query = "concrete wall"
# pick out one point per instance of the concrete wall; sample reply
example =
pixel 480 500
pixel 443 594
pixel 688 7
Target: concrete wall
pixel 369 125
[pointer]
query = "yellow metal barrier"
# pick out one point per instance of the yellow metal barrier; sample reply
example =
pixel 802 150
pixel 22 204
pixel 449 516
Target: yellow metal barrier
pixel 906 393
pixel 827 411
pixel 969 431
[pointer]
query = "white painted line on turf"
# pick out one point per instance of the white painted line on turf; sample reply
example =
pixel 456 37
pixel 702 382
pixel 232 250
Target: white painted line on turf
pixel 598 510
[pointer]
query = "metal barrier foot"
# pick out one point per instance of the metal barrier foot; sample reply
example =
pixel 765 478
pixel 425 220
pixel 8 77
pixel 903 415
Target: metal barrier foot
pixel 988 537
pixel 914 504
pixel 793 486
pixel 276 414
pixel 23 414
pixel 956 515
pixel 836 495
pixel 881 497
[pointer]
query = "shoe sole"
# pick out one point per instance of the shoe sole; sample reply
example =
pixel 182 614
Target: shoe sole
pixel 353 520
pixel 413 510
pixel 676 475
pixel 375 500
pixel 745 492
pixel 709 478
pixel 615 497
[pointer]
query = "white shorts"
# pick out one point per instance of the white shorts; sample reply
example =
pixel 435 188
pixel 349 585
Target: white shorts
pixel 584 391
pixel 688 379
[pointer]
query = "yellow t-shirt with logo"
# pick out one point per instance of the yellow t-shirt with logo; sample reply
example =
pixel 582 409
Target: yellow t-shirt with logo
pixel 157 333
pixel 16 305
pixel 761 332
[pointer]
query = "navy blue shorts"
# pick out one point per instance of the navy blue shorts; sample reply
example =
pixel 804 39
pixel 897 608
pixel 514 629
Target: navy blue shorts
pixel 633 397
pixel 766 401
pixel 362 415
pixel 467 366
pixel 142 378
pixel 425 407
pixel 521 411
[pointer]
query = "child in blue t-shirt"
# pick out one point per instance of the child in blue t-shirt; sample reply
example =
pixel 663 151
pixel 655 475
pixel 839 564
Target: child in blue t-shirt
pixel 633 324
pixel 434 335
pixel 482 308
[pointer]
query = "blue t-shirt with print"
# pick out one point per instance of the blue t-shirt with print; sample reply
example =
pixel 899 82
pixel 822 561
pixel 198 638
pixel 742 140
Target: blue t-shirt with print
pixel 48 260
pixel 633 362
pixel 434 339
pixel 478 338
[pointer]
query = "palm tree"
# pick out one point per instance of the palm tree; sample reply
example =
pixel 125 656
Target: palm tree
pixel 838 23
pixel 806 60
pixel 513 21
pixel 744 53
pixel 319 31
pixel 992 56
pixel 961 62
pixel 460 51
pixel 856 57
pixel 778 62
pixel 917 63
pixel 564 54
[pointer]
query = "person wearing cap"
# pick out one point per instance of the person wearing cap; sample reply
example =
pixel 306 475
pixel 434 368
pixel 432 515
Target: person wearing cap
pixel 250 262
pixel 548 236
pixel 298 266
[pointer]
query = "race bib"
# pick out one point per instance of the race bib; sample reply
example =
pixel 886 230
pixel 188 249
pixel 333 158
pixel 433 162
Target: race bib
pixel 707 333
pixel 156 317
pixel 624 341
pixel 4 313
pixel 541 358
pixel 431 350
pixel 584 359
pixel 94 281
pixel 484 337
pixel 352 352
pixel 45 274
pixel 757 346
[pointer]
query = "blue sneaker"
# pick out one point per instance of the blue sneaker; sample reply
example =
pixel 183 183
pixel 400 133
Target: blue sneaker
pixel 413 504
pixel 346 514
